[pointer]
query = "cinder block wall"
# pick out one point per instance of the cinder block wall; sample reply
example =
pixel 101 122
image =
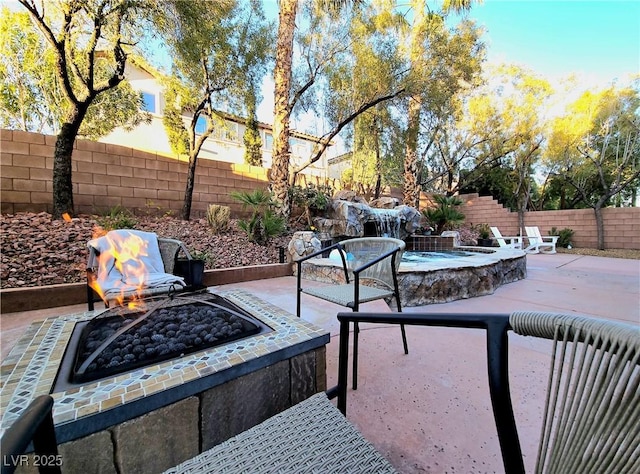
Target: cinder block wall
pixel 622 224
pixel 107 175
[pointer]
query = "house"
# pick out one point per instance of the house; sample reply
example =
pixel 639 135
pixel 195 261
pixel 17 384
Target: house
pixel 225 144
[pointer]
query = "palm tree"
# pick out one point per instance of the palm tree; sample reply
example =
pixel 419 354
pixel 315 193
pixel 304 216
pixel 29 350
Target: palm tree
pixel 279 177
pixel 282 108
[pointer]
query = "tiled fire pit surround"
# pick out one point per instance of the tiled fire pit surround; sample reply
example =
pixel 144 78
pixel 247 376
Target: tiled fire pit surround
pixel 155 417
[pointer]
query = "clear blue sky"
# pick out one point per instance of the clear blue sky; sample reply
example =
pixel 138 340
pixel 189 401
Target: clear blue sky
pixel 555 38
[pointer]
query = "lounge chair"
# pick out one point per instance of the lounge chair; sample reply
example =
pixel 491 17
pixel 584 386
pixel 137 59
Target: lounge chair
pixel 122 276
pixel 539 243
pixel 506 242
pixel 370 266
pixel 591 420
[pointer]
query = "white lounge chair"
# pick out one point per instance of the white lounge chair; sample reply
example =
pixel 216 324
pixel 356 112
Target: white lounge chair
pixel 507 242
pixel 539 243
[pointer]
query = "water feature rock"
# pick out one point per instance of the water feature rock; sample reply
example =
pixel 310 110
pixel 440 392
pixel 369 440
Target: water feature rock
pixel 385 202
pixel 456 237
pixel 302 244
pixel 348 195
pixel 348 218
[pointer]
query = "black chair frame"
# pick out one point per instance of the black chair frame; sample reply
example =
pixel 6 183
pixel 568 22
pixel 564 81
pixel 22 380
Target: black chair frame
pixel 496 326
pixel 392 255
pixel 35 424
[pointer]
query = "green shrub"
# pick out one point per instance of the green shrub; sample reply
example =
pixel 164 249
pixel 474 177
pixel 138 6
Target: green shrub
pixel 313 199
pixel 564 236
pixel 117 217
pixel 218 218
pixel 445 216
pixel 208 258
pixel 264 223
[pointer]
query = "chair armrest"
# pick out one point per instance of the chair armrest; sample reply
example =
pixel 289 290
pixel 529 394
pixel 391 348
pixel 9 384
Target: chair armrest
pixel 551 238
pixel 496 326
pixel 34 424
pixel 92 259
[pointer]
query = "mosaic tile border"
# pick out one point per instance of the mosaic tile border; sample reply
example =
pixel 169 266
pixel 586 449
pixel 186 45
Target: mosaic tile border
pixel 30 368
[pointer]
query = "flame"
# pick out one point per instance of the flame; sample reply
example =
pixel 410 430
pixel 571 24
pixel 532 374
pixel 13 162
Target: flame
pixel 125 254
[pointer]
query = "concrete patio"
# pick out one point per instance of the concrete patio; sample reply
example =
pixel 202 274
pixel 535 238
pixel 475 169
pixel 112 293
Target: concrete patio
pixel 429 411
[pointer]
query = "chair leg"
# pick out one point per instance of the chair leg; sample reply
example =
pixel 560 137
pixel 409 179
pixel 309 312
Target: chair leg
pixel 356 330
pixel 404 339
pixel 404 334
pixel 90 298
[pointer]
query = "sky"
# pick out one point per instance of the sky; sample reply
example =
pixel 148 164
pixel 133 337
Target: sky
pixel 598 41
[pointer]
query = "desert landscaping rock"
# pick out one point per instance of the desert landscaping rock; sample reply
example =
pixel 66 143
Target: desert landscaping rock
pixel 38 250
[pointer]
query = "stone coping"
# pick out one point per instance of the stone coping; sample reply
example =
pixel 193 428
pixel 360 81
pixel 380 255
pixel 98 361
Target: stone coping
pixel 483 256
pixel 31 367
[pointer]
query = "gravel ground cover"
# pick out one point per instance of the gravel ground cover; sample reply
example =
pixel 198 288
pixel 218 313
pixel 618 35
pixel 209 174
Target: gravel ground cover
pixel 38 250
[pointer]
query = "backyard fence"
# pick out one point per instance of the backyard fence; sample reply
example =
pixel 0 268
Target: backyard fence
pixel 106 176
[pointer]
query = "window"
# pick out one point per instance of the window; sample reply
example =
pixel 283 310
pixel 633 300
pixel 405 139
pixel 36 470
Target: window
pixel 149 102
pixel 268 141
pixel 299 147
pixel 201 125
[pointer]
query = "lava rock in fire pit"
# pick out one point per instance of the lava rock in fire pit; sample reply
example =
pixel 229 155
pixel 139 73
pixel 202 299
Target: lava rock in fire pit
pixel 166 333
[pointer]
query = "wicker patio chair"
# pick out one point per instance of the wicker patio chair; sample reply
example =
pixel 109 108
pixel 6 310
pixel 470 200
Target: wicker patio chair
pixel 591 421
pixel 369 266
pixel 312 436
pixel 167 252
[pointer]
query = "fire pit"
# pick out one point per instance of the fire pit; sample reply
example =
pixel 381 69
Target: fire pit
pixel 123 339
pixel 190 402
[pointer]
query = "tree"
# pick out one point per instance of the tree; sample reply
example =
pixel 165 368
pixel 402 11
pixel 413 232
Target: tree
pixel 26 71
pixel 282 107
pixel 87 40
pixel 424 29
pixel 251 139
pixel 220 52
pixel 326 60
pixel 596 147
pixel 356 67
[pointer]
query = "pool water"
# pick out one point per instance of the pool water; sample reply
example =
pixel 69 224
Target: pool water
pixel 420 257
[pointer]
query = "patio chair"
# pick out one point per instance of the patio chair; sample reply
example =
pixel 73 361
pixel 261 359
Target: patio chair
pixel 34 424
pixel 123 276
pixel 539 243
pixel 312 436
pixel 369 266
pixel 506 242
pixel 591 420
